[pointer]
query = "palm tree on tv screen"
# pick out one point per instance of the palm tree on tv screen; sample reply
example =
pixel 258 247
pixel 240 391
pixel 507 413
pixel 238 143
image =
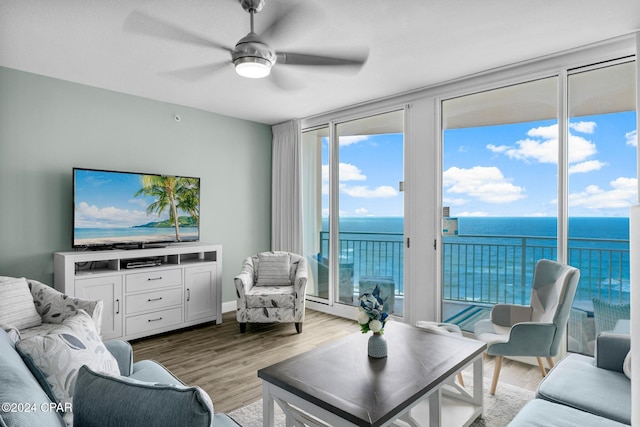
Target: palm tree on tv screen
pixel 172 193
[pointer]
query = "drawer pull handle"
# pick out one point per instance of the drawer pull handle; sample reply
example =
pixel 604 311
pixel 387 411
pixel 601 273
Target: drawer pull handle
pixel 188 294
pixel 155 320
pixel 154 299
pixel 118 309
pixel 154 278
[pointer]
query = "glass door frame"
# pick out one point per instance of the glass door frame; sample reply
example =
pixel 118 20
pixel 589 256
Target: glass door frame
pixel 331 305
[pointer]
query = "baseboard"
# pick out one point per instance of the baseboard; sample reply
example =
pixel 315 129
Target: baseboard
pixel 229 306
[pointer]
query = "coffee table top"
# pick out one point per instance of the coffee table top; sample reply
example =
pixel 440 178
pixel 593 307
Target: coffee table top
pixel 342 379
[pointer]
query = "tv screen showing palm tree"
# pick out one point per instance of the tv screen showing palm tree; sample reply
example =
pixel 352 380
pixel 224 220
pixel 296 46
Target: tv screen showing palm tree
pixel 122 208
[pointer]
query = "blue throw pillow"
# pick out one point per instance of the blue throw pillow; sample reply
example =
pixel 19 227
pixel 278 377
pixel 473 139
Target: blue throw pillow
pixel 105 401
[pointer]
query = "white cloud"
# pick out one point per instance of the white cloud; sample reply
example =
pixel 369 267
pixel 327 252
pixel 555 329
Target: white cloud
pixel 623 193
pixel 346 172
pixel 382 192
pixel 348 140
pixel 545 150
pixel 484 183
pixel 588 166
pixel 108 217
pixel 362 211
pixel 632 137
pixel 583 127
pixel 451 201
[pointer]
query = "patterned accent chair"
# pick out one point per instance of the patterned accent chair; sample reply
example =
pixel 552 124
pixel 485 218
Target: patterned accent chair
pixel 271 288
pixel 535 330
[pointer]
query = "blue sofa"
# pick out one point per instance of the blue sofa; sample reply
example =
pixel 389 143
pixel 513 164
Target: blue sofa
pixel 584 391
pixel 146 395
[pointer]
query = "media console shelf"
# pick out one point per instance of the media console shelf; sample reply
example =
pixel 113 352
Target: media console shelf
pixel 146 291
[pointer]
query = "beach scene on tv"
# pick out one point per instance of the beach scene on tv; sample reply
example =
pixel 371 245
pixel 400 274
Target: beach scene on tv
pixel 119 208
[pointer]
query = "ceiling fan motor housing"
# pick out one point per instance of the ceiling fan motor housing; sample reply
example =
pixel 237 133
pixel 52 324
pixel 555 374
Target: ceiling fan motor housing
pixel 252 5
pixel 249 48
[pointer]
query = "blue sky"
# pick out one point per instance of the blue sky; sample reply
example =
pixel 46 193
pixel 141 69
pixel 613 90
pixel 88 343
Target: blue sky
pixel 505 170
pixel 106 200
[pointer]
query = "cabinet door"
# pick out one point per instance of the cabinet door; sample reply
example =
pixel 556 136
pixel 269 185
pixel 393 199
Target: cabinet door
pixel 109 290
pixel 200 292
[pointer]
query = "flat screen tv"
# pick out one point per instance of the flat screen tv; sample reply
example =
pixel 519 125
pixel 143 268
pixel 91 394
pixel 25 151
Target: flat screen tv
pixel 133 210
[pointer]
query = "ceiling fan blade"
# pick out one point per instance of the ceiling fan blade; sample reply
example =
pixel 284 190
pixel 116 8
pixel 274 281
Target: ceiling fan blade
pixel 291 22
pixel 196 73
pixel 290 58
pixel 141 23
pixel 282 80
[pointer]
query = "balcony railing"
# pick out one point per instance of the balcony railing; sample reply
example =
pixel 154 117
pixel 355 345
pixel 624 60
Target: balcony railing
pixel 492 269
pixel 372 254
pixel 499 269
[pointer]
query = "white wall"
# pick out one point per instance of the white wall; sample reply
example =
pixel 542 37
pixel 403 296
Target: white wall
pixel 47 126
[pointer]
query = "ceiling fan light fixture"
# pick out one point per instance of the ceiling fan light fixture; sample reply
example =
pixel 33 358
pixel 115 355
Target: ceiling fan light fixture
pixel 252 67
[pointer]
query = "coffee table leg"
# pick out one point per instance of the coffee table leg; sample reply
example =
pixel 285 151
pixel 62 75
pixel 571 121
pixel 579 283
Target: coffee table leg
pixel 267 406
pixel 434 408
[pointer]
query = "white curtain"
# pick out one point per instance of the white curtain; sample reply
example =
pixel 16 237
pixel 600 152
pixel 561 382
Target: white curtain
pixel 286 189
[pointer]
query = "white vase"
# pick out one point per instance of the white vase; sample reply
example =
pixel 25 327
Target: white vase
pixel 377 346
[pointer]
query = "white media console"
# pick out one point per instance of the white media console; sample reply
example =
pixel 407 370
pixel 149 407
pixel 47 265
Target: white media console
pixel 146 291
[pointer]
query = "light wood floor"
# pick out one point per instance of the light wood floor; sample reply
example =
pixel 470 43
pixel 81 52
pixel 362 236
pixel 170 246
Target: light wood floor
pixel 225 362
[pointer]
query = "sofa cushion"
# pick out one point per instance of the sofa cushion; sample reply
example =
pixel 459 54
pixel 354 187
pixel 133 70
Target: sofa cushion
pixel 274 269
pixel 56 358
pixel 541 413
pixel 106 401
pixel 576 382
pixel 16 304
pixel 20 387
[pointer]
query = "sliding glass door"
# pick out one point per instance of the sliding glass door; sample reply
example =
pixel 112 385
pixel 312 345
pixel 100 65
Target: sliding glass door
pixel 517 187
pixel 354 210
pixel 602 185
pixel 499 186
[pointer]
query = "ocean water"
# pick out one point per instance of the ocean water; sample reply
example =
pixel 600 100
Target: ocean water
pixel 102 233
pixel 491 256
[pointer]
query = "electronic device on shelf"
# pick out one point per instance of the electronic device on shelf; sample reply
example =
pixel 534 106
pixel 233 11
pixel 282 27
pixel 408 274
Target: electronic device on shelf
pixel 133 210
pixel 141 263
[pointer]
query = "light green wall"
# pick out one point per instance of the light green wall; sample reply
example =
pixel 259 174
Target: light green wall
pixel 48 126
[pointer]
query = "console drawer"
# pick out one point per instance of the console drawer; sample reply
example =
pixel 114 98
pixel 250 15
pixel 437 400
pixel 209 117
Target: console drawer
pixel 153 300
pixel 153 279
pixel 150 321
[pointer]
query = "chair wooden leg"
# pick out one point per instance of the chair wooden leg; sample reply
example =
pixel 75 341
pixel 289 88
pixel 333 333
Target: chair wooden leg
pixel 550 362
pixel 298 327
pixel 543 371
pixel 496 375
pixel 460 380
pixel 243 328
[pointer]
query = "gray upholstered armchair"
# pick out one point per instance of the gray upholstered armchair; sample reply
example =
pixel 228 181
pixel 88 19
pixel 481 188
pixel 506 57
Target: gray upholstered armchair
pixel 271 288
pixel 535 330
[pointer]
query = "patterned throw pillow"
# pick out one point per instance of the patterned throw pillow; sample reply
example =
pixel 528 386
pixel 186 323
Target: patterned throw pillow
pixel 56 358
pixel 16 304
pixel 273 269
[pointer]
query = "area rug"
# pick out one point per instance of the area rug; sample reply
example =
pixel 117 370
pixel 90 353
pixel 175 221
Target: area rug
pixel 499 409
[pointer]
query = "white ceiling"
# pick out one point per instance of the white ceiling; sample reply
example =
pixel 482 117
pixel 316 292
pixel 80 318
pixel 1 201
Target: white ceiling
pixel 412 44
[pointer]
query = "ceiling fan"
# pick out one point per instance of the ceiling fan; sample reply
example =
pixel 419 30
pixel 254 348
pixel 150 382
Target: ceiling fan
pixel 252 57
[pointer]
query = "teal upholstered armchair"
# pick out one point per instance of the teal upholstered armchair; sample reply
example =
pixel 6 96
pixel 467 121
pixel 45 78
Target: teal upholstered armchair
pixel 535 330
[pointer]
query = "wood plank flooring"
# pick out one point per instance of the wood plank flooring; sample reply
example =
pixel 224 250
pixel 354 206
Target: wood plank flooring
pixel 225 362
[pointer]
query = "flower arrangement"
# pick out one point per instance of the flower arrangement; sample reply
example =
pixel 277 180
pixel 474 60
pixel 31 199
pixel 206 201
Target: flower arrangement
pixel 371 316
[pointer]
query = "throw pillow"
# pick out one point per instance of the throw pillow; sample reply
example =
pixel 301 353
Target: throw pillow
pixel 56 358
pixel 109 401
pixel 273 269
pixel 626 365
pixel 16 304
pixel 54 306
